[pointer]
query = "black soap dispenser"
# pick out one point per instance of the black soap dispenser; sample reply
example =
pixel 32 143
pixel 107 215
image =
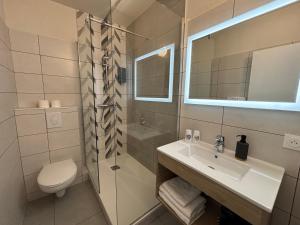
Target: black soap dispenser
pixel 241 151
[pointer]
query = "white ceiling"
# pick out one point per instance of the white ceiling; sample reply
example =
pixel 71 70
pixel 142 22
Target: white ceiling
pixel 198 7
pixel 124 11
pixel 128 10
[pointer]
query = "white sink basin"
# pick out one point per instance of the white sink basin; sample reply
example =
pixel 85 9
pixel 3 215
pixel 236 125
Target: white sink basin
pixel 217 162
pixel 254 180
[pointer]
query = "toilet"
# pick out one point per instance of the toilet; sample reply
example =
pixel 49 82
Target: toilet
pixel 56 177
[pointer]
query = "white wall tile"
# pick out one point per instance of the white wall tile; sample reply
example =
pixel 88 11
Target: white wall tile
pixel 34 163
pixel 4 33
pixel 7 134
pixel 66 99
pixel 24 42
pixel 66 153
pixel 7 83
pixel 263 120
pixel 63 139
pixel 208 130
pixel 12 189
pixel 296 207
pixel 28 111
pixel 55 84
pixel 265 146
pixel 280 217
pixel 26 63
pixel 7 102
pixel 31 183
pixel 58 48
pixel 59 67
pixel 201 112
pixel 5 56
pixel 33 144
pixel 29 100
pixel 29 83
pixel 31 124
pixel 285 196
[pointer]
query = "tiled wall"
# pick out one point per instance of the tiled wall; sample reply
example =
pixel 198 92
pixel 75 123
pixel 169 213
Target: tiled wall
pixel 12 190
pixel 265 129
pixel 40 145
pixel 46 68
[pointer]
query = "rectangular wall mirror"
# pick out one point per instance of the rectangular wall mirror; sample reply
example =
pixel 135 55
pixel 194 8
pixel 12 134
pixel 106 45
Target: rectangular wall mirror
pixel 153 75
pixel 250 61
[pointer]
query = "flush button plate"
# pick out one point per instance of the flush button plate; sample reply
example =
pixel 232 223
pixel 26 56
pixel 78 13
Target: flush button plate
pixel 54 119
pixel 291 142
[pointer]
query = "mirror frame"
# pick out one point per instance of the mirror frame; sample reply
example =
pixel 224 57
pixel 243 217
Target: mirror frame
pixel 170 47
pixel 269 7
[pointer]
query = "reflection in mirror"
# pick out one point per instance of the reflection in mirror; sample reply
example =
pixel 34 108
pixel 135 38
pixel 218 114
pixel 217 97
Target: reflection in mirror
pixel 153 75
pixel 255 60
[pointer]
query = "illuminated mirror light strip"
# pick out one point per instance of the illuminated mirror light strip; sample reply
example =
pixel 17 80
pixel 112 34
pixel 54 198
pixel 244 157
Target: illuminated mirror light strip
pixel 274 5
pixel 161 52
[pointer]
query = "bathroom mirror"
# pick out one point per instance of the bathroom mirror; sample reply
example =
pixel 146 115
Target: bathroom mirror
pixel 153 75
pixel 250 61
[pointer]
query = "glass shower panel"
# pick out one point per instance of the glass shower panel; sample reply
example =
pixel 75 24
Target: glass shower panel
pixel 146 124
pixel 97 87
pixel 87 97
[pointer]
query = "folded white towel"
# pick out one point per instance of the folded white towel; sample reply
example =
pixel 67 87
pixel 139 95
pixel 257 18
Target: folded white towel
pixel 187 220
pixel 191 209
pixel 180 190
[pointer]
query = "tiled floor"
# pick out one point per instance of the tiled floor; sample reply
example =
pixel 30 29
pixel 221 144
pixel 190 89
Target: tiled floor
pixel 78 207
pixel 165 218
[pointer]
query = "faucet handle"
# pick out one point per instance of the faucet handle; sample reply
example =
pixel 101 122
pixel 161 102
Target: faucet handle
pixel 220 138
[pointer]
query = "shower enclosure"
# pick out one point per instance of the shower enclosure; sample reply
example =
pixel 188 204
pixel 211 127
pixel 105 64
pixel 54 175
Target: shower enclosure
pixel 129 86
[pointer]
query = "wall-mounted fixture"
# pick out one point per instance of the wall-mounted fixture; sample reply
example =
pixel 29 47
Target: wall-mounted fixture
pixel 250 61
pixel 154 75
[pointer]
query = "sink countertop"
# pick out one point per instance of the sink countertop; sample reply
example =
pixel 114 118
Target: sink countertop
pixel 259 185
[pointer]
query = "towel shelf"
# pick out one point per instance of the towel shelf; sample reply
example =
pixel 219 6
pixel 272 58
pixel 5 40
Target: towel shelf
pixel 168 168
pixel 208 218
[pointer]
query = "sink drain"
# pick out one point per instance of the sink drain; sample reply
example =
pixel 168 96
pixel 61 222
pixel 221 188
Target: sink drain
pixel 116 167
pixel 211 167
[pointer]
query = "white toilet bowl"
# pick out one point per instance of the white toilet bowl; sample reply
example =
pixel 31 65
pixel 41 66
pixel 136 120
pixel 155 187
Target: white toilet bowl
pixel 56 177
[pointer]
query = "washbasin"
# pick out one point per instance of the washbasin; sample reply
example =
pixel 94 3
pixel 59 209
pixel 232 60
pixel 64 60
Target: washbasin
pixel 217 162
pixel 255 180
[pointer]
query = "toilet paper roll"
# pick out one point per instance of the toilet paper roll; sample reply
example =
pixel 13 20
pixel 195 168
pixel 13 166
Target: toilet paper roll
pixel 43 104
pixel 55 104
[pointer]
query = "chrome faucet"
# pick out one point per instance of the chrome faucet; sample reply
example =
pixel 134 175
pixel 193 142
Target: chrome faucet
pixel 220 144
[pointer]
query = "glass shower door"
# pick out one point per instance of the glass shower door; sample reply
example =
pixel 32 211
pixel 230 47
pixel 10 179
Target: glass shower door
pixel 88 101
pixel 149 106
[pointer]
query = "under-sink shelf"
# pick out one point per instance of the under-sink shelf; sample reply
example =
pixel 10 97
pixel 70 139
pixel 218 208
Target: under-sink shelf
pixel 167 168
pixel 212 210
pixel 210 217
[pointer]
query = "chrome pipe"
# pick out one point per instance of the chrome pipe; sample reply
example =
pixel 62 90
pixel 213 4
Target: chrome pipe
pixel 116 27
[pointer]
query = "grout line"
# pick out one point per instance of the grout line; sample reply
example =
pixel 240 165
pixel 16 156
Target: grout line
pixel 5 120
pixel 41 55
pixel 260 131
pixel 64 148
pixel 294 197
pixel 38 38
pixel 227 125
pixel 7 148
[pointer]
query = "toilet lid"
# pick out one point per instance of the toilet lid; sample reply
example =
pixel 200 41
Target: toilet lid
pixel 57 173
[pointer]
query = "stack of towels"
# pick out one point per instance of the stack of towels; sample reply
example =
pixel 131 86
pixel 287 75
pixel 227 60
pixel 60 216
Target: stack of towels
pixel 183 198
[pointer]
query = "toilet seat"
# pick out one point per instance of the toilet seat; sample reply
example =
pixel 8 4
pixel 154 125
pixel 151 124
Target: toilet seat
pixel 57 175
